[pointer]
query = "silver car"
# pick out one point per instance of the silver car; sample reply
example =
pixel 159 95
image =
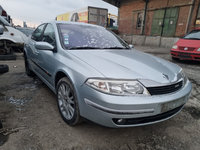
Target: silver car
pixel 97 76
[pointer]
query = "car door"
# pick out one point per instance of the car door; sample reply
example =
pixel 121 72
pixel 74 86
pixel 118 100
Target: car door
pixel 46 58
pixel 33 52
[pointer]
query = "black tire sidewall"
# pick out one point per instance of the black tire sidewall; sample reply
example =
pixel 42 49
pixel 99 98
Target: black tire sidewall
pixel 175 59
pixel 4 68
pixel 76 117
pixel 8 57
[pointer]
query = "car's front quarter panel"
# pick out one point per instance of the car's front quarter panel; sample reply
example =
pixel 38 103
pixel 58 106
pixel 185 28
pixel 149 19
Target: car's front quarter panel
pixel 77 70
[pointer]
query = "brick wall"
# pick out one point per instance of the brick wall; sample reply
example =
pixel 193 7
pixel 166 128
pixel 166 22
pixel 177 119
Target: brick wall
pixel 130 8
pixel 181 26
pixel 126 15
pixel 157 4
pixel 149 19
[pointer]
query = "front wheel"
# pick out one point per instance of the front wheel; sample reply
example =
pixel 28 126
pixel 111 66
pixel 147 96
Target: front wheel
pixel 67 102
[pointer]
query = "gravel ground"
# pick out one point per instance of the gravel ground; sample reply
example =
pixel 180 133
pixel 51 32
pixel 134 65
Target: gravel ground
pixel 29 111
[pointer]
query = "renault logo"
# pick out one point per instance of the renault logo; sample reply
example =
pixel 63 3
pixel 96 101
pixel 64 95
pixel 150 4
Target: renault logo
pixel 186 48
pixel 165 76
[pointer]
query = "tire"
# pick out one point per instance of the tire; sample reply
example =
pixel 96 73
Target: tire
pixel 8 57
pixel 29 72
pixel 67 102
pixel 4 68
pixel 1 126
pixel 175 59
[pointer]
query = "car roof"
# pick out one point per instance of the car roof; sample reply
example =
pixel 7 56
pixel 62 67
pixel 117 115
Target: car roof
pixel 73 23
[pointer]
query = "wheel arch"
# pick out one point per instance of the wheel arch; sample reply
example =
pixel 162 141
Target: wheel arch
pixel 60 74
pixel 8 39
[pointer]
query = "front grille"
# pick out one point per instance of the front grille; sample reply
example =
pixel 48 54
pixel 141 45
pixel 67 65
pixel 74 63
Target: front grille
pixel 198 58
pixel 187 48
pixel 165 89
pixel 149 119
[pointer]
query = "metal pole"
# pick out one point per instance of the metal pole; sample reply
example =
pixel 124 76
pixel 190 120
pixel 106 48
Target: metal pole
pixel 190 16
pixel 164 18
pixel 145 13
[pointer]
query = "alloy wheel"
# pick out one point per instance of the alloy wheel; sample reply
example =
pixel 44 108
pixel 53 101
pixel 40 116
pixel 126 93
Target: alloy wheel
pixel 66 101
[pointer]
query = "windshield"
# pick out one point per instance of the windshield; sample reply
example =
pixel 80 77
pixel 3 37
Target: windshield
pixel 193 35
pixel 79 36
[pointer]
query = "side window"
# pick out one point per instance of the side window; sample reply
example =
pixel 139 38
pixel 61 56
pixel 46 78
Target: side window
pixel 49 35
pixel 38 32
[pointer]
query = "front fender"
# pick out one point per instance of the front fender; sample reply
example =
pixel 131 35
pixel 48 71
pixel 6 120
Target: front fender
pixel 7 39
pixel 67 73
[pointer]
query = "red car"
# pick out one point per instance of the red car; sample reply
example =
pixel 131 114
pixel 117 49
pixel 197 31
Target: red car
pixel 187 48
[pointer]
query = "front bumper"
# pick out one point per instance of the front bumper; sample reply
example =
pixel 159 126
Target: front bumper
pixel 107 109
pixel 185 55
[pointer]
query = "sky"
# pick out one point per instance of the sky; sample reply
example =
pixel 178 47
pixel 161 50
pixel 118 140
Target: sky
pixel 38 11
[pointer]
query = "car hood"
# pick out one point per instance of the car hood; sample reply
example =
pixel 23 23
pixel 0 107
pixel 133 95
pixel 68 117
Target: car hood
pixel 129 64
pixel 17 37
pixel 188 43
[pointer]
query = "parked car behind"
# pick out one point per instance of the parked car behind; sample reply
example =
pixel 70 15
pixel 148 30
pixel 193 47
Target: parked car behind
pixel 26 31
pixel 11 39
pixel 188 47
pixel 96 75
pixel 3 13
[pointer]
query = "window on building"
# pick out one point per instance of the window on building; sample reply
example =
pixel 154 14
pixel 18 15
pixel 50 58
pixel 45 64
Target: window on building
pixel 198 17
pixel 139 20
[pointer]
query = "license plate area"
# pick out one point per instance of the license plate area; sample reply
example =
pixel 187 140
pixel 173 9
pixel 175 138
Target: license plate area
pixel 184 55
pixel 173 104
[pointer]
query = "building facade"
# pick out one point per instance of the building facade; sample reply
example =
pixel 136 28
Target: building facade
pixel 156 22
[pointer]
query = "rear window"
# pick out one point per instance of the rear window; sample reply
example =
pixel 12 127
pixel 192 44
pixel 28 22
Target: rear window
pixel 193 35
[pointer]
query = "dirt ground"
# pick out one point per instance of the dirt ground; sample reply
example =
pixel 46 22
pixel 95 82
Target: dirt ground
pixel 29 111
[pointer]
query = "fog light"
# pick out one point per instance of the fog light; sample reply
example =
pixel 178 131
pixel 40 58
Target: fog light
pixel 121 121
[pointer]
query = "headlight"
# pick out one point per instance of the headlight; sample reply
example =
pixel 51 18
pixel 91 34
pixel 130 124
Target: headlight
pixel 175 47
pixel 184 77
pixel 198 49
pixel 118 87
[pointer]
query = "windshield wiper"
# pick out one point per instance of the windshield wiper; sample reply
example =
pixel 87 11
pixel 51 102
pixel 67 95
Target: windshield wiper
pixel 115 48
pixel 71 48
pixel 86 47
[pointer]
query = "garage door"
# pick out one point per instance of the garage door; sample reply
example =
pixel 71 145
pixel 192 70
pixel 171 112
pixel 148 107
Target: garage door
pixel 157 23
pixel 164 24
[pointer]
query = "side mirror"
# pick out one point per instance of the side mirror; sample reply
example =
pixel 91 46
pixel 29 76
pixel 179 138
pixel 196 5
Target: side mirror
pixel 131 46
pixel 44 46
pixel 1 29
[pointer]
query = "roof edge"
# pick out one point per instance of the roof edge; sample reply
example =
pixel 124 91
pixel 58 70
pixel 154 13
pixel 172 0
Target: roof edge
pixel 113 2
